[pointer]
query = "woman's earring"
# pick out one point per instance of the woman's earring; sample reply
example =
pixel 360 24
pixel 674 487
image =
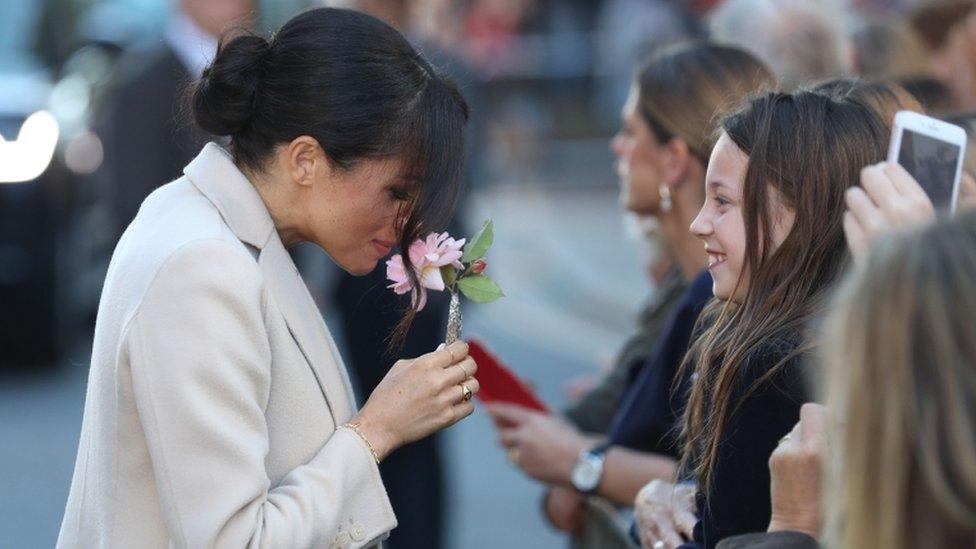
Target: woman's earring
pixel 665 192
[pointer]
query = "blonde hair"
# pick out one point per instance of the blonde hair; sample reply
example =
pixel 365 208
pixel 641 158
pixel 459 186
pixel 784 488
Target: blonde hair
pixel 901 366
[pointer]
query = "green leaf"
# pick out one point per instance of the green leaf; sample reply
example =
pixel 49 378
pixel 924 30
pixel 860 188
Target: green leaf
pixel 479 244
pixel 449 274
pixel 480 288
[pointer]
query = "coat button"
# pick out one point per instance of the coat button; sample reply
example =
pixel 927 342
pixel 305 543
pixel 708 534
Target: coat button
pixel 357 532
pixel 342 540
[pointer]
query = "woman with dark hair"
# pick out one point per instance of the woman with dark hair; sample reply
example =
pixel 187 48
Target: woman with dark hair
pixel 218 410
pixel 772 228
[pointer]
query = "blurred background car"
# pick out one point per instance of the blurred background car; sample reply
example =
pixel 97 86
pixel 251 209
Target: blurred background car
pixel 33 199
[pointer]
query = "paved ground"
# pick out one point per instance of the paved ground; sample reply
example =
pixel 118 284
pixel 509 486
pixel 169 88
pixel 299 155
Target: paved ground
pixel 573 283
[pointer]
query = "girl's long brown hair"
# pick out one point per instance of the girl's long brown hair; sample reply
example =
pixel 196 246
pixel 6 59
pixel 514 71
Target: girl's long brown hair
pixel 809 148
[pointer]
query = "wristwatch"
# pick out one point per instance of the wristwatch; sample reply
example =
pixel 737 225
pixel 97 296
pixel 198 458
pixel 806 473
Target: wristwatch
pixel 589 468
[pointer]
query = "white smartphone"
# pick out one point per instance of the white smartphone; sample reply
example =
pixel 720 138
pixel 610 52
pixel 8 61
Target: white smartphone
pixel 932 151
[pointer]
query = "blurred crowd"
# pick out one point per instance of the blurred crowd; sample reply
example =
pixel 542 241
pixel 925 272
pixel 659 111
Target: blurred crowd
pixel 767 140
pixel 682 440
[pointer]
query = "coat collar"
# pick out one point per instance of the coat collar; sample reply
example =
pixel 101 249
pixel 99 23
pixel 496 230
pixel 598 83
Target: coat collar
pixel 308 329
pixel 213 172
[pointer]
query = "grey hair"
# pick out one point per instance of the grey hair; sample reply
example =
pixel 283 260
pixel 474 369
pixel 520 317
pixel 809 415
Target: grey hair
pixel 802 41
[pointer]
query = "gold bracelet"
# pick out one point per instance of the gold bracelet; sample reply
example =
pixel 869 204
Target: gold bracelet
pixel 354 427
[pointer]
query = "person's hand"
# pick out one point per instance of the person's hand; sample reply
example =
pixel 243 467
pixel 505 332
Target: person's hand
pixel 545 447
pixel 967 192
pixel 888 198
pixel 564 509
pixel 577 387
pixel 419 397
pixel 795 474
pixel 665 514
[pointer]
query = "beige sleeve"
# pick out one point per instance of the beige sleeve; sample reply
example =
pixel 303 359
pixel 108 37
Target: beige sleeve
pixel 200 361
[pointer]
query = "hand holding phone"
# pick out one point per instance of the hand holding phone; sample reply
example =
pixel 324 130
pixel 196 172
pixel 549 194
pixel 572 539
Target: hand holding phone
pixel 888 198
pixel 932 152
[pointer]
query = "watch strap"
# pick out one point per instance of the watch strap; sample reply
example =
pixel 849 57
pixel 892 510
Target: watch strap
pixel 599 449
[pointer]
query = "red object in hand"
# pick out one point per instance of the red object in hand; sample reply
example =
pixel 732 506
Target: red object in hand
pixel 499 383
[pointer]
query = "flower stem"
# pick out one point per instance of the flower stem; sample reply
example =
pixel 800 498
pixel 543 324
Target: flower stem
pixel 454 318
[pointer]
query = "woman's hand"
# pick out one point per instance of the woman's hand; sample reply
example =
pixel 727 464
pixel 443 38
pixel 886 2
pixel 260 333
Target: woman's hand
pixel 665 514
pixel 419 397
pixel 795 472
pixel 544 446
pixel 564 509
pixel 888 198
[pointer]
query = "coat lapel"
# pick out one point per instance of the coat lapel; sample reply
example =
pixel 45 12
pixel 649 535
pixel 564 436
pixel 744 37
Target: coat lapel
pixel 214 173
pixel 307 327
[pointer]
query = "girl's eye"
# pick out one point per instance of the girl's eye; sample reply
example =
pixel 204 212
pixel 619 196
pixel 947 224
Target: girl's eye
pixel 721 201
pixel 399 195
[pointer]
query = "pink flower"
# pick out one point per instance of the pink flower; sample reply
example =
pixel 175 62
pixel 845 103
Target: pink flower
pixel 427 256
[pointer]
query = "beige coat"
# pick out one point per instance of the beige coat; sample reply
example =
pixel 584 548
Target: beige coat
pixel 215 389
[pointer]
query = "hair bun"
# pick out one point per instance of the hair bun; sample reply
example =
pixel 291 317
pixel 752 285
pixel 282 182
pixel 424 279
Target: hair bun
pixel 223 99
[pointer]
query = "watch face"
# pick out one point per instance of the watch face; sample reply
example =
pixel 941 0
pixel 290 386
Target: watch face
pixel 586 474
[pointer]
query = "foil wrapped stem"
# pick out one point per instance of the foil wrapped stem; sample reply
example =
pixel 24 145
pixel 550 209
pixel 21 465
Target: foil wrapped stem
pixel 454 319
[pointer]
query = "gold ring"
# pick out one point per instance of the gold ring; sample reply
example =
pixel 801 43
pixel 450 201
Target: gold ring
pixel 466 393
pixel 513 456
pixel 784 439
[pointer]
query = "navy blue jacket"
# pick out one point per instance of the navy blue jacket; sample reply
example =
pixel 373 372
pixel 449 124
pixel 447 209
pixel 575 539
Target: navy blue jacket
pixel 648 415
pixel 738 501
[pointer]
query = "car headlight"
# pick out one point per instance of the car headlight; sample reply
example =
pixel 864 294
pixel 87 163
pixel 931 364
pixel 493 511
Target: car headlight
pixel 26 158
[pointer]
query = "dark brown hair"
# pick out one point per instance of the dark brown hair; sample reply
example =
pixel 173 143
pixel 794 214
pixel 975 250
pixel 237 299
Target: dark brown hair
pixel 809 148
pixel 359 88
pixel 933 20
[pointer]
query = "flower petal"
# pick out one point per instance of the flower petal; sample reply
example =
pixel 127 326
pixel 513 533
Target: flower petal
pixel 431 278
pixel 417 251
pixel 395 270
pixel 449 257
pixel 400 289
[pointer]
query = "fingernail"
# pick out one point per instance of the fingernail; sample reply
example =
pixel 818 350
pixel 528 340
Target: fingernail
pixel 441 346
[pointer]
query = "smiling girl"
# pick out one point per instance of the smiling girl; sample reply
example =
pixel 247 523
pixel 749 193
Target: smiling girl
pixel 772 228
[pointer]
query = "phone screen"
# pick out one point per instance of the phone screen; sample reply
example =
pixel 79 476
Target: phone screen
pixel 932 162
